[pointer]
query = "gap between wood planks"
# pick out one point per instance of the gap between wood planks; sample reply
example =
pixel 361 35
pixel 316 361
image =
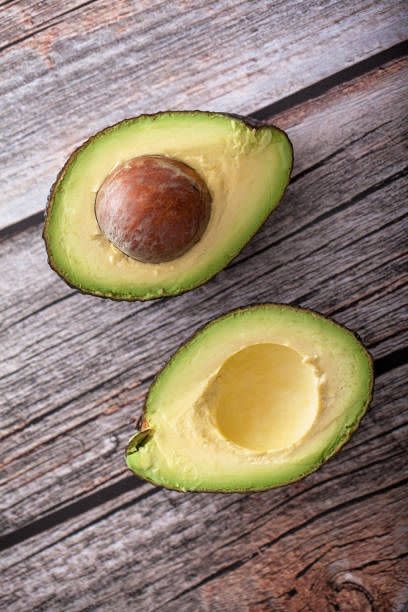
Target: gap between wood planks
pixel 235 565
pixel 329 311
pixel 382 365
pixel 53 22
pixel 295 496
pixel 329 213
pixel 299 97
pixel 75 497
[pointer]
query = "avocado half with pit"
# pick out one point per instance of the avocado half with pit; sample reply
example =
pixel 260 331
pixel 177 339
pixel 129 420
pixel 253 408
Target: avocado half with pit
pixel 257 399
pixel 158 204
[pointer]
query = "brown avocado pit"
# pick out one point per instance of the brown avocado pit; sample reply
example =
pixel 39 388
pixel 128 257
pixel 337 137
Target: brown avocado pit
pixel 153 208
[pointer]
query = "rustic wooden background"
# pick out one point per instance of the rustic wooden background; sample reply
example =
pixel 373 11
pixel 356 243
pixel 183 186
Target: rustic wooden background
pixel 78 532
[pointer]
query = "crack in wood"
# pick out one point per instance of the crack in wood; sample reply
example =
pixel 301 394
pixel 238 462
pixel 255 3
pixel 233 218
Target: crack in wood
pixel 390 362
pixel 374 562
pixel 237 564
pixel 64 297
pixel 382 434
pixel 115 490
pixel 309 566
pixel 89 391
pixel 302 493
pixel 83 505
pixel 386 288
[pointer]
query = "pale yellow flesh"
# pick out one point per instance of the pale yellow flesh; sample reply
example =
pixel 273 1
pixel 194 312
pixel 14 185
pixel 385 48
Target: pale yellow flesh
pixel 265 397
pixel 258 398
pixel 245 169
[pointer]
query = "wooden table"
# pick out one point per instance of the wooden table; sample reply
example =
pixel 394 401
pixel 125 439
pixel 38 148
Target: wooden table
pixel 79 532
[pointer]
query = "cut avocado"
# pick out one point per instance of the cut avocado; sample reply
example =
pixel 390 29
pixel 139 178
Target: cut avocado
pixel 257 399
pixel 240 167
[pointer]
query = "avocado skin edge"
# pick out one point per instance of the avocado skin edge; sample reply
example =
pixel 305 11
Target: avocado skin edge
pixel 252 123
pixel 142 423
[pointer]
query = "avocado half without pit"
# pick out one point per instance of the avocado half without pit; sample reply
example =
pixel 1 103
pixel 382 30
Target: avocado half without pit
pixel 257 399
pixel 158 204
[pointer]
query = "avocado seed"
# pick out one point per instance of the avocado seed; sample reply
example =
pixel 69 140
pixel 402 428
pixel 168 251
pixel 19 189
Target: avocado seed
pixel 153 208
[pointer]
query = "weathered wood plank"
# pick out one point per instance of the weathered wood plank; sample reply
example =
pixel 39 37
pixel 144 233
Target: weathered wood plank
pixel 336 244
pixel 319 130
pixel 336 537
pixel 69 70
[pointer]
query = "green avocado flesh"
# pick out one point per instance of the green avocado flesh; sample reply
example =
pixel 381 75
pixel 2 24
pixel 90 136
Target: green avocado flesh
pixel 258 398
pixel 245 167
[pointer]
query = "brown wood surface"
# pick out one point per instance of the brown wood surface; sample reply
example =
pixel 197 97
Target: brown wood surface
pixel 338 537
pixel 346 188
pixel 70 68
pixel 78 531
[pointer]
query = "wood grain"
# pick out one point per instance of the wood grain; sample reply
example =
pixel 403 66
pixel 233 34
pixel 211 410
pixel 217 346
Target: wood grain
pixel 67 70
pixel 333 539
pixel 337 244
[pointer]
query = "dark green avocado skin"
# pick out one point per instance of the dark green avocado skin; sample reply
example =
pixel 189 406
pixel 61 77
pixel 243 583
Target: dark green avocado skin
pixel 253 123
pixel 142 424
